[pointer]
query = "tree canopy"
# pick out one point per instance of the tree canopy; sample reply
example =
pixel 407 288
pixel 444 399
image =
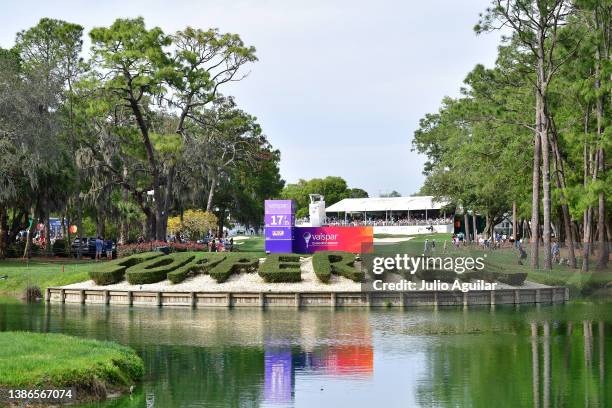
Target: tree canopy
pixel 135 134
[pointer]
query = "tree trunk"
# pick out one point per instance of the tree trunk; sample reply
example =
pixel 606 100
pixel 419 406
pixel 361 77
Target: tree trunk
pixel 48 246
pixel 475 227
pixel 68 236
pixel 124 228
pixel 100 224
pixel 211 193
pixel 602 261
pixel 3 231
pixel 466 222
pixel 28 245
pixel 79 233
pixel 588 213
pixel 535 191
pixel 162 221
pixel 546 235
pixel 561 185
pixel 514 224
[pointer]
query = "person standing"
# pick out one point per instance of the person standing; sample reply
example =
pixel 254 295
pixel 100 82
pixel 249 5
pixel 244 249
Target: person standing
pixel 109 249
pixel 556 252
pixel 99 248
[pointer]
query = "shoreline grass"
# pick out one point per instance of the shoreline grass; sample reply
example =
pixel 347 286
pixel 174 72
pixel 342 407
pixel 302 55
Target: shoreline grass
pixel 16 274
pixel 93 368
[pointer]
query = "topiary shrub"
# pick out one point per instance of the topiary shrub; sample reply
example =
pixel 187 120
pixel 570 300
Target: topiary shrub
pixel 442 275
pixel 512 279
pixel 487 276
pixel 281 268
pixel 114 271
pixel 156 269
pixel 326 263
pixel 233 263
pixel 200 264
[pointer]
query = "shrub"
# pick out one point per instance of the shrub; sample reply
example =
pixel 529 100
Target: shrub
pixel 487 276
pixel 233 263
pixel 32 293
pixel 442 275
pixel 60 248
pixel 281 268
pixel 513 279
pixel 337 262
pixel 157 269
pixel 114 271
pixel 202 262
pixel 15 250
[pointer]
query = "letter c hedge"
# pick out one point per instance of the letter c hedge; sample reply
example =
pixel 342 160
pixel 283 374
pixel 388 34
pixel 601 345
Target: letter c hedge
pixel 114 271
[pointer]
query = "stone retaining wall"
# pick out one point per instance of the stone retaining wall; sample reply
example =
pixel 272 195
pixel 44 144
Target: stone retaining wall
pixel 313 299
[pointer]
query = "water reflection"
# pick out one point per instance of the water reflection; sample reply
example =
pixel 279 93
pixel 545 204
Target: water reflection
pixel 526 357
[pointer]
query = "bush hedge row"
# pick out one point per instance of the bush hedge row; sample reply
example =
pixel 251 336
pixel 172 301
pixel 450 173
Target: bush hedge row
pixel 201 263
pixel 442 275
pixel 233 263
pixel 157 269
pixel 509 278
pixel 326 263
pixel 152 267
pixel 114 271
pixel 281 268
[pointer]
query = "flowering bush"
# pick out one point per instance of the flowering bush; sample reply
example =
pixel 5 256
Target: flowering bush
pixel 131 249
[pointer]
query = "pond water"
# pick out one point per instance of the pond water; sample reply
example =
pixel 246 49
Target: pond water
pixel 542 356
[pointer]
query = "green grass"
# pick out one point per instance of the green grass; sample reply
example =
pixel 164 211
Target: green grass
pixel 252 244
pixel 37 360
pixel 19 274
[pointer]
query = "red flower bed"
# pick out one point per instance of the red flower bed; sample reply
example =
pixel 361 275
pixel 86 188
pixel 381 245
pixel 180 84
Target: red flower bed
pixel 131 249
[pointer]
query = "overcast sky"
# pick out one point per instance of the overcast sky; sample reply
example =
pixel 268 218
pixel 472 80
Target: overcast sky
pixel 339 86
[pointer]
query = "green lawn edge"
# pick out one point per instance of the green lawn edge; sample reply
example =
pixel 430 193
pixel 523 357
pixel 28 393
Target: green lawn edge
pixel 50 360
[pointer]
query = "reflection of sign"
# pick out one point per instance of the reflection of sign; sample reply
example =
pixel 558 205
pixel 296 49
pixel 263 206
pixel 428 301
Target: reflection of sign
pixel 278 380
pixel 350 359
pixel 350 239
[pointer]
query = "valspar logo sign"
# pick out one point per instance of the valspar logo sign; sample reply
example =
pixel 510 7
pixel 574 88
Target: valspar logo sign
pixel 319 239
pixel 350 239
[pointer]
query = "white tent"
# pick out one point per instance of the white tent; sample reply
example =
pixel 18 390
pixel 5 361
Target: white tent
pixel 361 205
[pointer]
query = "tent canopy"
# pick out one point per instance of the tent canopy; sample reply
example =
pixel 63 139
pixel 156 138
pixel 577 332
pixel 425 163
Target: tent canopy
pixel 386 204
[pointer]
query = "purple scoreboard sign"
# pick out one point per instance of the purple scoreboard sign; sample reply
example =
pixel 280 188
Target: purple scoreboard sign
pixel 279 220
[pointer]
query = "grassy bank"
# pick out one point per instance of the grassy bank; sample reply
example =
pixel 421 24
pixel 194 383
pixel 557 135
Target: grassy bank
pixel 45 360
pixel 16 275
